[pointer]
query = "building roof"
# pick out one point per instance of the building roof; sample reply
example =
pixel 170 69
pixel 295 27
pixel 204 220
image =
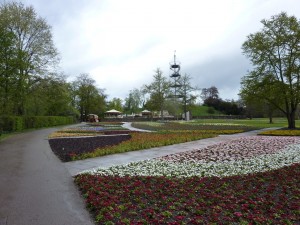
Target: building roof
pixel 113 111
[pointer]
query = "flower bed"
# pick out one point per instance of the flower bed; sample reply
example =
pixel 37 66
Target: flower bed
pixel 253 180
pixel 263 198
pixel 145 140
pixel 139 140
pixel 68 148
pixel 240 156
pixel 171 126
pixel 281 132
pixel 89 131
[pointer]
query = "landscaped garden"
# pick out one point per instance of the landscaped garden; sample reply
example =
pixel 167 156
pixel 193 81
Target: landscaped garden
pixel 248 180
pixel 99 139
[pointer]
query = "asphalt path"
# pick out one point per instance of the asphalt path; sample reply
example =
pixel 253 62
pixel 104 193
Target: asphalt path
pixel 35 187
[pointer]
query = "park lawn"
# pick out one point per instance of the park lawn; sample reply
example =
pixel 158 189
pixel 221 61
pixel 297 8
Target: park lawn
pixel 192 125
pixel 246 124
pixel 256 122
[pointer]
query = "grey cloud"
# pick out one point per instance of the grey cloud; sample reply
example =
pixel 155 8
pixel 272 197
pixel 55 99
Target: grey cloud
pixel 224 72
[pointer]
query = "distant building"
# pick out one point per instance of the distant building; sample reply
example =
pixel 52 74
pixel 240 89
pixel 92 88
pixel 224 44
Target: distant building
pixel 113 114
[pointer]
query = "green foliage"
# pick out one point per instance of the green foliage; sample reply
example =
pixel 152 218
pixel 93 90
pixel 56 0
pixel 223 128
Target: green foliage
pixel 198 110
pixel 211 110
pixel 274 52
pixel 51 97
pixel 20 123
pixel 11 123
pixel 31 54
pixel 159 91
pixel 133 102
pixel 257 123
pixel 115 103
pixel 87 98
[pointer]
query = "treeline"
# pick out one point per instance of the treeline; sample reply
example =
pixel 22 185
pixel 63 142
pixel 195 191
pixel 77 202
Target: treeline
pixel 210 97
pixel 31 85
pixel 33 92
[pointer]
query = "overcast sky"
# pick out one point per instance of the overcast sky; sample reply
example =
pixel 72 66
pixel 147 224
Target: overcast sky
pixel 121 42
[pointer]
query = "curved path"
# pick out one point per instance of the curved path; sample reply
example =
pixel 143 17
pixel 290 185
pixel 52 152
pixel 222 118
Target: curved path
pixel 79 166
pixel 35 187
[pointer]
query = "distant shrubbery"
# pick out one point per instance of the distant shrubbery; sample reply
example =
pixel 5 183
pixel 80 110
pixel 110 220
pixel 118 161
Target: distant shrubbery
pixel 19 123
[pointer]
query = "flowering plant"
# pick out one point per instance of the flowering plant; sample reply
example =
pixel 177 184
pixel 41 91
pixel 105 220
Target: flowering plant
pixel 264 198
pixel 253 180
pixel 281 132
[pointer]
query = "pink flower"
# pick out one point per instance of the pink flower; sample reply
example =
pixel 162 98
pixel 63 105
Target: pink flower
pixel 238 214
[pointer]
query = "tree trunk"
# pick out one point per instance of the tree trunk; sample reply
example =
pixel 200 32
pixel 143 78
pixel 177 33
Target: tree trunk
pixel 162 112
pixel 270 117
pixel 270 112
pixel 291 119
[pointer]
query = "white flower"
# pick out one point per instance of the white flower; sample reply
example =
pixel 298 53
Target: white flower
pixel 283 154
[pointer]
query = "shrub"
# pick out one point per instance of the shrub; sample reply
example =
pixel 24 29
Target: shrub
pixel 19 123
pixel 11 123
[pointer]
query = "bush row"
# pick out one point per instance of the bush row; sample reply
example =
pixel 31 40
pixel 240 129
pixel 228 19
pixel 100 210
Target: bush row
pixel 19 123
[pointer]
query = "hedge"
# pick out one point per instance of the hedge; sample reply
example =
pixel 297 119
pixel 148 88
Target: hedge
pixel 20 123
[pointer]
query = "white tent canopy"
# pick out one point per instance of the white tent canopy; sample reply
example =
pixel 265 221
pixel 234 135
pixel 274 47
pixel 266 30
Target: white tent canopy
pixel 113 111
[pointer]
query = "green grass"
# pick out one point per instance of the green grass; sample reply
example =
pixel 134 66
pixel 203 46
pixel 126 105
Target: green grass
pixel 214 124
pixel 4 136
pixel 257 122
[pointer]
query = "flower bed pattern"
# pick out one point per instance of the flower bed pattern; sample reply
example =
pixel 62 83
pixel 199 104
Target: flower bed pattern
pixel 214 161
pixel 144 140
pixel 239 149
pixel 224 184
pixel 155 126
pixel 264 198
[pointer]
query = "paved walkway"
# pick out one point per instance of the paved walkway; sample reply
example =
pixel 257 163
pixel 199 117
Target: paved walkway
pixel 76 167
pixel 35 187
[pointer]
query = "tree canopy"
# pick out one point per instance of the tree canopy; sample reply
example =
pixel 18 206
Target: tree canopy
pixel 27 54
pixel 275 54
pixel 88 98
pixel 159 91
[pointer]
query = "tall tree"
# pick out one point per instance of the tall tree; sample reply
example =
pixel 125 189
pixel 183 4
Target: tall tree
pixel 133 102
pixel 210 97
pixel 89 99
pixel 209 93
pixel 115 103
pixel 186 92
pixel 34 49
pixel 7 69
pixel 51 96
pixel 159 91
pixel 275 54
